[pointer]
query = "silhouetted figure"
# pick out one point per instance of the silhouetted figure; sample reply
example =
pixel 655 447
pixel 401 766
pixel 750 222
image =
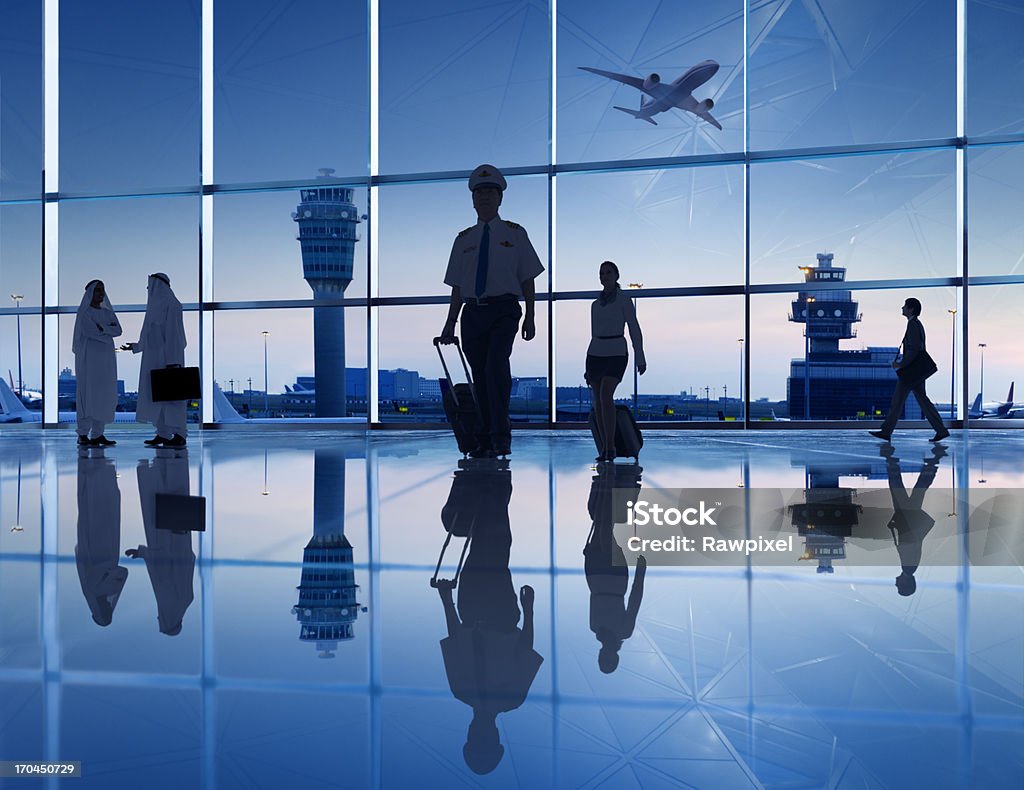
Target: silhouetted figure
pixel 491 266
pixel 169 558
pixel 96 326
pixel 611 619
pixel 607 356
pixel 99 535
pixel 489 659
pixel 913 347
pixel 162 344
pixel 910 523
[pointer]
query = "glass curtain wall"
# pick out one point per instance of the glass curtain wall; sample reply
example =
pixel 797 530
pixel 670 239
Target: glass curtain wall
pixel 772 179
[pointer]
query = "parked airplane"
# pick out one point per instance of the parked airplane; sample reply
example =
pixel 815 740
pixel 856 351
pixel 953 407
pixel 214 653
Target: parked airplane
pixel 664 96
pixel 1005 410
pixel 12 409
pixel 28 396
pixel 780 419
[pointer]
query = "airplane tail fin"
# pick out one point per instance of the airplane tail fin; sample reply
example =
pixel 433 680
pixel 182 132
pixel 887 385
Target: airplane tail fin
pixel 975 407
pixel 636 114
pixel 10 377
pixel 1009 395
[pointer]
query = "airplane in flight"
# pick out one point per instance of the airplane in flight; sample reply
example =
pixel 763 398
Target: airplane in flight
pixel 999 410
pixel 667 96
pixel 28 396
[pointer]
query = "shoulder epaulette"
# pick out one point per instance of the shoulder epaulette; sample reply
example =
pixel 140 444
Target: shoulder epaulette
pixel 513 225
pixel 467 230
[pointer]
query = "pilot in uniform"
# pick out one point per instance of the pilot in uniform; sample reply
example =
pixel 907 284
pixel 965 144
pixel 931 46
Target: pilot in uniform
pixel 491 267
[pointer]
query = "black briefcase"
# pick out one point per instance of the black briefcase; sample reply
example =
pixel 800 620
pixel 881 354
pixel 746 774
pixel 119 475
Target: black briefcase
pixel 917 371
pixel 181 512
pixel 175 384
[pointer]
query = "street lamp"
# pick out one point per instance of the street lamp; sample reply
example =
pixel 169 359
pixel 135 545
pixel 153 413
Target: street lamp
pixel 17 303
pixel 807 359
pixel 983 346
pixel 742 402
pixel 636 407
pixel 266 386
pixel 952 370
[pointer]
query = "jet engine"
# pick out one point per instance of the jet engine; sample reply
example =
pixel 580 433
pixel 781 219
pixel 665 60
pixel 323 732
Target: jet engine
pixel 706 105
pixel 651 81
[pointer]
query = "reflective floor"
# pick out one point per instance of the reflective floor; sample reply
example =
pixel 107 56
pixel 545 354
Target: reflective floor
pixel 298 640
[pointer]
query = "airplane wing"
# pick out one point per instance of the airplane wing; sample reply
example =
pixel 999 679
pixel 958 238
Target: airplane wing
pixel 625 79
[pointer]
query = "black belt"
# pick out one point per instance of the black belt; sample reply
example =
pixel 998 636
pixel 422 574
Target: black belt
pixel 611 337
pixel 482 301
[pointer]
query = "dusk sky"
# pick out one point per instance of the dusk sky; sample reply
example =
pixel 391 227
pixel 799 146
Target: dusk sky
pixel 466 82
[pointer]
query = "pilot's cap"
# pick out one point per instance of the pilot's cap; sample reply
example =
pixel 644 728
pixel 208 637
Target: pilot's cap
pixel 487 176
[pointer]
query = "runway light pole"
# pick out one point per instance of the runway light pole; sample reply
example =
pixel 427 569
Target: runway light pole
pixel 742 402
pixel 17 304
pixel 982 346
pixel 266 386
pixel 636 376
pixel 807 359
pixel 952 370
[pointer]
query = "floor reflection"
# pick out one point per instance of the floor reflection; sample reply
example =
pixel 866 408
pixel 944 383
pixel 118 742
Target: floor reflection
pixel 536 650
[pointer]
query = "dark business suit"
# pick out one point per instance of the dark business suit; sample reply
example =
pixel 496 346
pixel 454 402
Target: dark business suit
pixel 913 344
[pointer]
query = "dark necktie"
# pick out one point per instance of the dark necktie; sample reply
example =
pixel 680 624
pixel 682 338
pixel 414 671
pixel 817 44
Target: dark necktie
pixel 481 262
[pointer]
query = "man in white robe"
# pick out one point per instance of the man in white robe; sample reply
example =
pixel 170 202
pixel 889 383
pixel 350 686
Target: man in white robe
pixel 99 535
pixel 162 344
pixel 96 326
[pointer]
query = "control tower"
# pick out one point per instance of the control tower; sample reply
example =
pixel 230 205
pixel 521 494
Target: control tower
pixel 327 609
pixel 327 219
pixel 842 384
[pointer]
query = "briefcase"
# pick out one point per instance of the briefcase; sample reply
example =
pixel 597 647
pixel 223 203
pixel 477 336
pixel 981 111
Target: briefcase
pixel 181 512
pixel 917 371
pixel 174 384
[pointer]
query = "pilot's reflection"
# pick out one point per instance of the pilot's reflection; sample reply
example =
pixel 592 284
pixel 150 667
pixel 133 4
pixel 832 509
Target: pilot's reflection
pixel 611 619
pixel 327 607
pixel 99 535
pixel 910 522
pixel 489 659
pixel 168 553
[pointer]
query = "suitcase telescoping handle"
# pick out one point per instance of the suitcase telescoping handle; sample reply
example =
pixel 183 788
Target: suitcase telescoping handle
pixel 465 367
pixel 454 581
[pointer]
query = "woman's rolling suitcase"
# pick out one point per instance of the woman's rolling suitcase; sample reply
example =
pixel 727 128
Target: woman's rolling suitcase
pixel 628 439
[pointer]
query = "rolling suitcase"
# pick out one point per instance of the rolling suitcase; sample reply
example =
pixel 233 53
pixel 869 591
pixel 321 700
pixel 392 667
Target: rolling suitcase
pixel 459 401
pixel 628 439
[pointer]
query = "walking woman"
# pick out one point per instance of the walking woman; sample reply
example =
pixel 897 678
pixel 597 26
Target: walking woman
pixel 96 326
pixel 607 354
pixel 162 344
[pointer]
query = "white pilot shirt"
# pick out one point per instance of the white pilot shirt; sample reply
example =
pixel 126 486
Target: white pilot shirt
pixel 511 259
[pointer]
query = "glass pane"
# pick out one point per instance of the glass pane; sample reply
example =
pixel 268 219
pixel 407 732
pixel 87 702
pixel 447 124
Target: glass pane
pixel 994 356
pixel 129 95
pixel 291 89
pixel 21 100
pixel 20 254
pixel 693 359
pixel 122 242
pixel 886 216
pixel 854 337
pixel 19 364
pixel 463 83
pixel 259 234
pixel 995 84
pixel 837 73
pixel 419 223
pixel 995 205
pixel 410 370
pixel 663 228
pixel 275 376
pixel 128 365
pixel 658 44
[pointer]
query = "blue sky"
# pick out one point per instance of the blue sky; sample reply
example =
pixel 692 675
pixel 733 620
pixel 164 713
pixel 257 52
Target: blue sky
pixel 465 82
